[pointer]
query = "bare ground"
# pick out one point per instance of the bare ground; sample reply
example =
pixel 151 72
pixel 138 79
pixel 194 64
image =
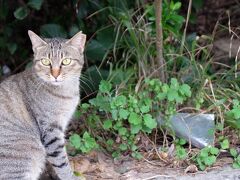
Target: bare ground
pixel 98 166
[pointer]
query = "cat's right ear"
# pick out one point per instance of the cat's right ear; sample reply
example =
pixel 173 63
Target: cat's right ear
pixel 36 40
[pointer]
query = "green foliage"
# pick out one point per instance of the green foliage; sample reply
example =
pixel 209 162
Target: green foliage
pixel 53 30
pixel 83 144
pixel 207 157
pixel 172 94
pixel 21 13
pixel 233 115
pixel 224 142
pixel 171 20
pixel 124 116
pixel 236 158
pixel 35 4
pixel 180 150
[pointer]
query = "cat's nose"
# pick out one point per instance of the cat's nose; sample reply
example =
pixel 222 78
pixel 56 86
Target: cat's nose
pixel 55 72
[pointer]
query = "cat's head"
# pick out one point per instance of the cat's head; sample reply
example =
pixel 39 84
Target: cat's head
pixel 58 60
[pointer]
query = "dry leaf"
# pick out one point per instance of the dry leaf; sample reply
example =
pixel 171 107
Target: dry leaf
pixel 191 169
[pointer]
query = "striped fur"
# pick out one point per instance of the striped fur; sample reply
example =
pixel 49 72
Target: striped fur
pixel 35 109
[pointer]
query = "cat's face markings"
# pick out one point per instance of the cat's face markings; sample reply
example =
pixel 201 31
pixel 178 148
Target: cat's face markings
pixel 57 60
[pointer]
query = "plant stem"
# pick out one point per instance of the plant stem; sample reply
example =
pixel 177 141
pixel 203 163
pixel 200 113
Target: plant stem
pixel 160 62
pixel 186 25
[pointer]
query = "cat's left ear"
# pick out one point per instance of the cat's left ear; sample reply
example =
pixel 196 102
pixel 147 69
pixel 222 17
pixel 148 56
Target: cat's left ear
pixel 36 41
pixel 78 41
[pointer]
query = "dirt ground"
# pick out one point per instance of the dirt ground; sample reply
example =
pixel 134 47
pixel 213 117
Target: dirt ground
pixel 98 166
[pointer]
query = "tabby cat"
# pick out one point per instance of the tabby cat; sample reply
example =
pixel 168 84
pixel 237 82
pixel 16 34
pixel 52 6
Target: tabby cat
pixel 36 107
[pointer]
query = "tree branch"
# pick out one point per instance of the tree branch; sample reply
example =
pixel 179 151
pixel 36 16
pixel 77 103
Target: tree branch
pixel 160 62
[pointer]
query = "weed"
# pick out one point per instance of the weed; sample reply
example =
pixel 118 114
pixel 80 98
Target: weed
pixel 124 116
pixel 181 152
pixel 83 144
pixel 207 157
pixel 236 158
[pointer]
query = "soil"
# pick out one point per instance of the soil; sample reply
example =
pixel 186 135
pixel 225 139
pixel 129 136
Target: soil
pixel 99 166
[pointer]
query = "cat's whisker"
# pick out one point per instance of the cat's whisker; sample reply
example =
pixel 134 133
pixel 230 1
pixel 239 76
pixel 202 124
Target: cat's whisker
pixel 84 83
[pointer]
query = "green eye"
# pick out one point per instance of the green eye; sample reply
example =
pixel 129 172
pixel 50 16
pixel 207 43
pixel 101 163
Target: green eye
pixel 66 61
pixel 45 62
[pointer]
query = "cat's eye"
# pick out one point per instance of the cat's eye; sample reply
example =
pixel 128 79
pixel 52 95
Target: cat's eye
pixel 46 62
pixel 66 61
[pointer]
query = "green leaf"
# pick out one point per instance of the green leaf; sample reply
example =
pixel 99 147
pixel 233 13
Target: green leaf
pixel 220 126
pixel 210 160
pixel 85 106
pixel 172 95
pixel 204 152
pixel 235 102
pixel 95 50
pixel 118 125
pixel 174 83
pixel 236 165
pixel 86 135
pixel 75 140
pixel 177 6
pixel 106 37
pixel 236 113
pixel 224 144
pixel 114 113
pixel 105 86
pixel 21 13
pixel 202 167
pixel 74 29
pixel 110 142
pixel 53 30
pixel 134 118
pixel 233 152
pixel 89 143
pixel 116 154
pixel 107 124
pixel 161 96
pixel 12 47
pixel 35 4
pixel 135 128
pixel 214 151
pixel 177 19
pixel 149 121
pixel 144 109
pixel 101 102
pixel 123 147
pixel 136 155
pixel 181 153
pixel 134 147
pixel 165 88
pixel 123 113
pixel 77 114
pixel 120 101
pixel 185 90
pixel 122 131
pixel 182 142
pixel 238 159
